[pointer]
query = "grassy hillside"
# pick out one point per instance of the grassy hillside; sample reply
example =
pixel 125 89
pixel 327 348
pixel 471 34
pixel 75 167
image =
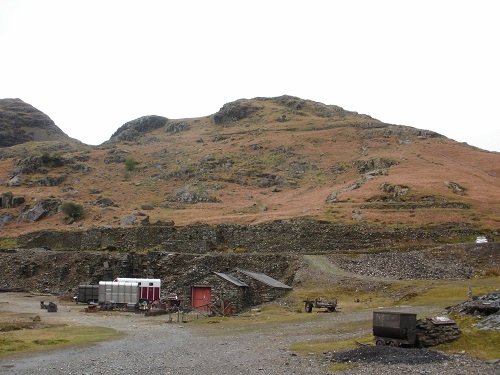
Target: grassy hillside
pixel 260 160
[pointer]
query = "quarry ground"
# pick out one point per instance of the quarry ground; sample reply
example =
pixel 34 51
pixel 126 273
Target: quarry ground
pixel 154 345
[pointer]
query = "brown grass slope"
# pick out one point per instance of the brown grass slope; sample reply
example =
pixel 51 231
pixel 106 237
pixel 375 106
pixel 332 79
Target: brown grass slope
pixel 265 159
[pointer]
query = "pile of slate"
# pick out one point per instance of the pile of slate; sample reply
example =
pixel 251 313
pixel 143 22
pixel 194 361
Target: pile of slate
pixel 433 331
pixel 485 307
pixel 388 355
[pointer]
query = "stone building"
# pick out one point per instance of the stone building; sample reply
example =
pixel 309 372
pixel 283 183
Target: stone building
pixel 232 292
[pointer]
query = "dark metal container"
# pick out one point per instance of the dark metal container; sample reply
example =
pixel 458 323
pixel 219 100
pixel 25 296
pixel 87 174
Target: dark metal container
pixel 394 328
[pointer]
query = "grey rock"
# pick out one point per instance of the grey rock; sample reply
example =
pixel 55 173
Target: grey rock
pixel 128 220
pixel 104 202
pixel 15 181
pixel 42 209
pixel 5 218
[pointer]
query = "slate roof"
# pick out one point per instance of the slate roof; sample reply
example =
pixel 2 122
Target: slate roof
pixel 231 279
pixel 264 279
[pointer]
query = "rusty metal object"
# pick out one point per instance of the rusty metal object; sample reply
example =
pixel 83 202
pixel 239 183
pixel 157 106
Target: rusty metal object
pixel 52 307
pixel 320 303
pixel 91 309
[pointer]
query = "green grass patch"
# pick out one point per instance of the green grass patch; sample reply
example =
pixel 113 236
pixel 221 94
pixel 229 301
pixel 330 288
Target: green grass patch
pixel 54 337
pixel 8 243
pixel 445 292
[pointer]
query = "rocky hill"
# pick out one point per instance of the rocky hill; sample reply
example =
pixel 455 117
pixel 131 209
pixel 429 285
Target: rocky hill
pixel 20 123
pixel 255 161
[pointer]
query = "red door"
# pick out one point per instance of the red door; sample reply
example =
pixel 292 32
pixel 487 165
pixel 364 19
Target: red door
pixel 201 297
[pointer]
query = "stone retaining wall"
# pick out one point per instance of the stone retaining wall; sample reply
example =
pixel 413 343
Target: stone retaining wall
pixel 305 236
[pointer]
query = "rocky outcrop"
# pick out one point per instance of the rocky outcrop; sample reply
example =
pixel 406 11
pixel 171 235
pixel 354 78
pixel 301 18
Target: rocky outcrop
pixel 34 164
pixel 135 129
pixel 21 122
pixel 176 126
pixel 49 181
pixel 456 188
pixel 400 131
pixel 193 194
pixel 105 202
pixel 7 200
pixel 42 208
pixel 235 111
pixel 271 180
pixel 364 166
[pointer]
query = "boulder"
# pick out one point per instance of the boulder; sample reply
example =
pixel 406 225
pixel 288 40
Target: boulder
pixel 128 220
pixel 15 181
pixel 104 202
pixel 42 209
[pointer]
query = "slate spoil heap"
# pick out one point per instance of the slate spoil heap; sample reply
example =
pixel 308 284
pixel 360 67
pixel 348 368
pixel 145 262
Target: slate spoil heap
pixel 388 355
pixel 486 307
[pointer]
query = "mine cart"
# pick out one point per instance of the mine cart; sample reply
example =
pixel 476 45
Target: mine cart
pixel 320 303
pixel 394 328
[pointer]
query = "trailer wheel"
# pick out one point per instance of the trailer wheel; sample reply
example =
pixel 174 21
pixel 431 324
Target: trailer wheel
pixel 380 342
pixel 308 306
pixel 393 343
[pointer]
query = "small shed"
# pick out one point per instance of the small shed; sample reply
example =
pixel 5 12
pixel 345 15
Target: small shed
pixel 218 292
pixel 261 287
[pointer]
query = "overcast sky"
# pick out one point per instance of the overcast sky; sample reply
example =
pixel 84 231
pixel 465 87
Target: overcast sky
pixel 94 65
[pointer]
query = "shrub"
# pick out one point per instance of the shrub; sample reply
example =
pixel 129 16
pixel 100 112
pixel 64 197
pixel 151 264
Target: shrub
pixel 130 164
pixel 73 210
